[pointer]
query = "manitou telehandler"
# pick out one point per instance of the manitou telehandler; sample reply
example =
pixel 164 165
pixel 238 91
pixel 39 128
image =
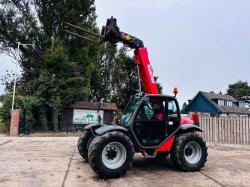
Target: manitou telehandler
pixel 150 124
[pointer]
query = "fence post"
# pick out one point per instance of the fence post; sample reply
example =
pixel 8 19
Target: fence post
pixel 215 127
pixel 247 130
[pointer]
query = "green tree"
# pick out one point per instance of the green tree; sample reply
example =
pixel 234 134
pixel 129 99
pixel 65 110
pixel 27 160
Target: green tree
pixel 58 69
pixel 103 73
pixel 239 90
pixel 25 103
pixel 183 109
pixel 115 77
pixel 125 81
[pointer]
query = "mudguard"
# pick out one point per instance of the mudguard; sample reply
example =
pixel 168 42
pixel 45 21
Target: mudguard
pixel 92 125
pixel 186 127
pixel 107 128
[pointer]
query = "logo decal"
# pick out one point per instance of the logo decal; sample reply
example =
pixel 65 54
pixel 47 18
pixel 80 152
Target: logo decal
pixel 151 74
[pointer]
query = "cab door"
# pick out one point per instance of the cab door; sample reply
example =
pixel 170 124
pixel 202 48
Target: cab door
pixel 173 115
pixel 151 122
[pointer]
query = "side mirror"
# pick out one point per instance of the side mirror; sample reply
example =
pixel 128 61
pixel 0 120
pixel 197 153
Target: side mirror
pixel 175 91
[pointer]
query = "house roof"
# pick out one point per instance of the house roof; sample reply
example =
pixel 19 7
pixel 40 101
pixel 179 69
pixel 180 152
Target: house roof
pixel 93 105
pixel 211 96
pixel 234 109
pixel 223 109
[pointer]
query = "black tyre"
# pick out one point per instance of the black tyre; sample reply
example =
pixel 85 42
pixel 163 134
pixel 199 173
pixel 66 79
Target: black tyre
pixel 111 154
pixel 84 142
pixel 189 152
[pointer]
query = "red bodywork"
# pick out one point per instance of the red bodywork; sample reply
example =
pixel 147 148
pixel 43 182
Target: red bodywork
pixel 186 120
pixel 166 146
pixel 146 71
pixel 150 87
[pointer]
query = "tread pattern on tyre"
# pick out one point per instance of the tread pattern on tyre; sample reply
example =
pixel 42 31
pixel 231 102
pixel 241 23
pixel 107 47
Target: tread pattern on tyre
pixel 83 143
pixel 177 152
pixel 95 152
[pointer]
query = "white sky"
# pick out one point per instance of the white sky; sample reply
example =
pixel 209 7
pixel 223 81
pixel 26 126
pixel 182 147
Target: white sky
pixel 193 44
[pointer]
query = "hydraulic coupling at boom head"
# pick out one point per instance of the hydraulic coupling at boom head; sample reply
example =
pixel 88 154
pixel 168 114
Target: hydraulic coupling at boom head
pixel 110 33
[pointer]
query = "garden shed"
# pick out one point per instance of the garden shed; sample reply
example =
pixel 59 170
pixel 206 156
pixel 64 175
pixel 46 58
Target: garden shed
pixel 80 114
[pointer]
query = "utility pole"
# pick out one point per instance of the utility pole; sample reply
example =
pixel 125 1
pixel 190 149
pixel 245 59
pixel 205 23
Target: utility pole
pixel 14 86
pixel 15 114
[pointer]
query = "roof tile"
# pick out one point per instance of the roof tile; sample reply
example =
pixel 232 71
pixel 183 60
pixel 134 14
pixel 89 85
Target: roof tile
pixel 234 109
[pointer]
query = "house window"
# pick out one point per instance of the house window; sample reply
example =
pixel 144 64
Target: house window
pixel 221 102
pixel 225 103
pixel 229 103
pixel 242 105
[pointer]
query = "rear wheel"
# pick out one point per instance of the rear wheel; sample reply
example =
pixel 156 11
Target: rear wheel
pixel 111 154
pixel 84 142
pixel 189 152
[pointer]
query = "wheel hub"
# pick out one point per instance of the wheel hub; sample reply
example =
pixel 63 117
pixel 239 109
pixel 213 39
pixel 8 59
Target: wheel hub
pixel 114 155
pixel 192 152
pixel 188 151
pixel 111 153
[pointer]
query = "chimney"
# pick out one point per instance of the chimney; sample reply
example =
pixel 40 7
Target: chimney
pixel 220 93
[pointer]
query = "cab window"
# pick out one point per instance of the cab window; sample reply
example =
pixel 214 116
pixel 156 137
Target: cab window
pixel 150 110
pixel 172 108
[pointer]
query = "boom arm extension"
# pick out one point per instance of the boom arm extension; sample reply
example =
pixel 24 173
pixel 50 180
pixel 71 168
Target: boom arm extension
pixel 111 33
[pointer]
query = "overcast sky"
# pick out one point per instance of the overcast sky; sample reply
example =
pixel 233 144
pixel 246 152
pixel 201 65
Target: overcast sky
pixel 193 44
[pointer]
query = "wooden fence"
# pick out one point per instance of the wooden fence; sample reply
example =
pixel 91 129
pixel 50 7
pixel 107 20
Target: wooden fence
pixel 228 130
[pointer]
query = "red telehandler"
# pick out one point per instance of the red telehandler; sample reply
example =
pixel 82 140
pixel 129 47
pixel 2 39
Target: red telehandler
pixel 150 124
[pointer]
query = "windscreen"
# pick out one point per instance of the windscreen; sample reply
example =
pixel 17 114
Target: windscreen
pixel 129 110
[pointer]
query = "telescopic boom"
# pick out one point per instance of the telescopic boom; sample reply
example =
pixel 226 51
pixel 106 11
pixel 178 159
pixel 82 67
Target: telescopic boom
pixel 111 33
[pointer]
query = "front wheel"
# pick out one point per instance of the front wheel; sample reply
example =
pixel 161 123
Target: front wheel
pixel 111 154
pixel 189 152
pixel 84 142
